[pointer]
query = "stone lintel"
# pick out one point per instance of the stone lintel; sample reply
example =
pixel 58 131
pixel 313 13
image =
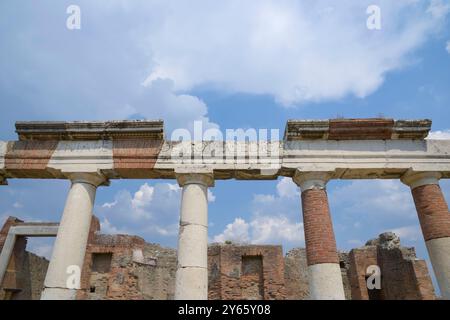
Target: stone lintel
pixel 90 130
pixel 357 129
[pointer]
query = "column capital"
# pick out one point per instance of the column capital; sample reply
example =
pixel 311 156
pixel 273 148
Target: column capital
pixel 415 179
pixel 312 180
pixel 203 178
pixel 198 175
pixel 95 179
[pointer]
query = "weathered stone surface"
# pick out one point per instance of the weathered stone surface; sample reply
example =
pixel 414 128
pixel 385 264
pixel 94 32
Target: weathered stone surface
pixel 246 272
pixel 403 276
pixel 90 130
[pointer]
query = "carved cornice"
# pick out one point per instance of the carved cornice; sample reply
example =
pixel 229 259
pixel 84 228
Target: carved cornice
pixel 90 130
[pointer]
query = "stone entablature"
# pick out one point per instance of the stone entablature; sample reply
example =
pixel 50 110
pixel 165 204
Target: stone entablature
pixel 135 149
pixel 357 129
pixel 90 130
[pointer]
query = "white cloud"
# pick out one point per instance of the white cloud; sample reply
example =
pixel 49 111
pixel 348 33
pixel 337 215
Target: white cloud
pixel 447 47
pixel 142 197
pixel 237 232
pixel 408 233
pixel 151 212
pixel 107 227
pixel 274 219
pixel 276 230
pixel 374 199
pixel 286 188
pixel 438 8
pixel 439 135
pixel 293 50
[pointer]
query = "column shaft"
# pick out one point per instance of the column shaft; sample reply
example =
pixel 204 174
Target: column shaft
pixel 434 220
pixel 64 271
pixel 192 266
pixel 325 278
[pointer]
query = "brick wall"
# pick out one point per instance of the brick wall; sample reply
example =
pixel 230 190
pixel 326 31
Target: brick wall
pixel 246 272
pixel 403 276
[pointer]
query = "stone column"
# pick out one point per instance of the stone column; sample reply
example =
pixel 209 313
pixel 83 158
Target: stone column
pixel 434 220
pixel 64 271
pixel 325 279
pixel 191 281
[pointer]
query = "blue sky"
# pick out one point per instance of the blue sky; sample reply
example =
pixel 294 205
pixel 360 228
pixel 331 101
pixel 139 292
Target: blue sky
pixel 230 65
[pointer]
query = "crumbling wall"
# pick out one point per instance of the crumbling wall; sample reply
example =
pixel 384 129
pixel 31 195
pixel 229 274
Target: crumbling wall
pixel 246 272
pixel 403 276
pixel 25 274
pixel 296 274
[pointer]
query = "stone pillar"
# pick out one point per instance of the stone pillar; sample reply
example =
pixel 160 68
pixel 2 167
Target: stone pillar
pixel 64 271
pixel 434 220
pixel 191 282
pixel 325 279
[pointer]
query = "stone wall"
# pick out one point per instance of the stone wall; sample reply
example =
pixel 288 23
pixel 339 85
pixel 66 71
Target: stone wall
pixel 245 272
pixel 24 277
pixel 137 270
pixel 296 274
pixel 403 276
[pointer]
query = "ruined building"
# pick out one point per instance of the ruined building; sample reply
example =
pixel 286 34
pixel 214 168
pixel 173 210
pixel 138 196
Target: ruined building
pixel 312 153
pixel 127 267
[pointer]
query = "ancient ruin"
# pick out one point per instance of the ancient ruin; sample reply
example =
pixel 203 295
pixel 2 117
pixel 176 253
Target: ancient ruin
pixel 119 267
pixel 312 153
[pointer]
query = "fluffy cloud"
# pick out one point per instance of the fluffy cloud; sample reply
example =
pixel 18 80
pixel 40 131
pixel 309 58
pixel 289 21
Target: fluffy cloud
pixel 275 219
pixel 142 58
pixel 409 233
pixel 295 51
pixel 440 135
pixel 237 232
pixel 151 212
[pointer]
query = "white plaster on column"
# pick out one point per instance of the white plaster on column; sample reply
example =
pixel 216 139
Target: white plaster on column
pixel 70 244
pixel 3 146
pixel 325 282
pixel 418 179
pixel 439 252
pixel 311 180
pixel 192 266
pixel 83 156
pixel 191 283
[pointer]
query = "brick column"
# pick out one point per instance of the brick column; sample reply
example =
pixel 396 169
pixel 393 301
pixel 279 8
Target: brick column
pixel 64 271
pixel 325 279
pixel 434 220
pixel 191 280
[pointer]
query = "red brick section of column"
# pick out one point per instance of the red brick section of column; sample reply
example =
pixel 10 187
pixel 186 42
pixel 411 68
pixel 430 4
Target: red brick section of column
pixel 319 234
pixel 325 279
pixel 434 218
pixel 432 210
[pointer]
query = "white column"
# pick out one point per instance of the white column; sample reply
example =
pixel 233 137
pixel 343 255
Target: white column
pixel 191 281
pixel 64 271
